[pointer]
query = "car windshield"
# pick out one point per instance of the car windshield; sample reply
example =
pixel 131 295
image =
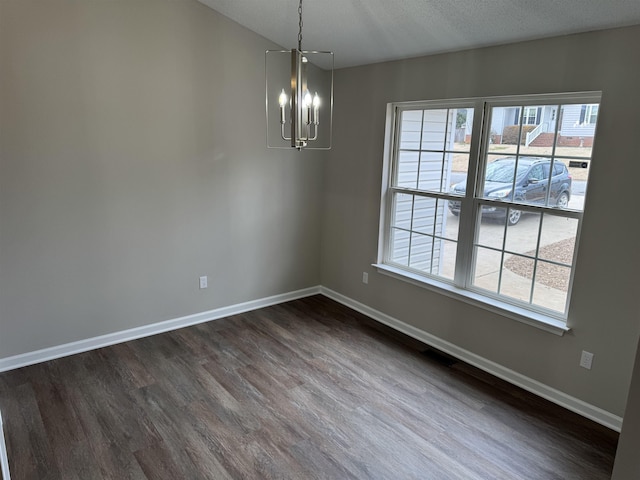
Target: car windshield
pixel 501 171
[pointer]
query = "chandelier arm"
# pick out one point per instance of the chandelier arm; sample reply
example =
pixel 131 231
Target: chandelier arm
pixel 282 134
pixel 315 130
pixel 300 25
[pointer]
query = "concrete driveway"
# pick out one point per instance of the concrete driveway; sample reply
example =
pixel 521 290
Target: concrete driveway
pixel 520 239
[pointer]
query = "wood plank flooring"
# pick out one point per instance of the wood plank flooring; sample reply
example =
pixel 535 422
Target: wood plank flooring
pixel 304 390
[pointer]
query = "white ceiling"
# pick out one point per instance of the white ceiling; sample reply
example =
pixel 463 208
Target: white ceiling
pixel 369 31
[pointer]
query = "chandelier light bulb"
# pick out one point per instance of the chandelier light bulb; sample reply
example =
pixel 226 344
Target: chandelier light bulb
pixel 282 99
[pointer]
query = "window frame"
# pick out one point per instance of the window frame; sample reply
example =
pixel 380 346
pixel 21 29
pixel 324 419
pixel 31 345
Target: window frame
pixel 462 286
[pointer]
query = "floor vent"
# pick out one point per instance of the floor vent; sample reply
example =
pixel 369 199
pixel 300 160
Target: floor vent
pixel 439 357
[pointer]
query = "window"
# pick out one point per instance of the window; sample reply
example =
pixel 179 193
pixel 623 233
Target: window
pixel 496 222
pixel 588 115
pixel 420 236
pixel 592 114
pixel 530 115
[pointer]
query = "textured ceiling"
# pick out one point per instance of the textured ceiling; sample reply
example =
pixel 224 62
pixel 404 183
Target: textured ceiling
pixel 369 31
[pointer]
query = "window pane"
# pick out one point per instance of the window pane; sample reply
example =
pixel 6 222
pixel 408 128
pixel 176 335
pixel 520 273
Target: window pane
pixel 491 231
pixel 487 269
pixel 558 238
pixel 451 221
pixel 437 130
pixel 432 255
pixel 517 275
pixel 578 170
pixel 410 129
pixel 542 135
pixel 592 114
pixel 464 124
pixel 551 286
pixel 556 244
pixel 504 132
pixel 576 130
pixel 407 169
pixel 435 171
pixel 441 219
pixel 533 186
pixel 500 215
pixel 560 184
pixel 499 177
pixel 402 211
pixel 524 237
pixel 456 181
pixel 539 132
pixel 421 250
pixel 433 148
pixel 528 130
pixel 434 167
pixel 447 260
pixel 424 215
pixel 418 227
pixel 399 246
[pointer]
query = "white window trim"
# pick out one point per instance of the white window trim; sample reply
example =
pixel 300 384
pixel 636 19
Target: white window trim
pixel 523 315
pixel 557 324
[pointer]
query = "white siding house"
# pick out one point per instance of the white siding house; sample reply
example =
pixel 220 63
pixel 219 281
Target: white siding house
pixel 426 142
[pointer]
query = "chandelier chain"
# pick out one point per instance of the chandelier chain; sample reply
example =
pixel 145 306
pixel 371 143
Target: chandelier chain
pixel 300 25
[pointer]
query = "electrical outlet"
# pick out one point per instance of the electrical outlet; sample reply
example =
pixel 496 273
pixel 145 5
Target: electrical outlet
pixel 203 282
pixel 365 277
pixel 586 359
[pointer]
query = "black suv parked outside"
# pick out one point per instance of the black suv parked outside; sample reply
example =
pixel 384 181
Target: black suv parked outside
pixel 532 181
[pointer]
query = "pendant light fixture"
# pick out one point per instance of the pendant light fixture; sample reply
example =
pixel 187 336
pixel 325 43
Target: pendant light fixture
pixel 299 96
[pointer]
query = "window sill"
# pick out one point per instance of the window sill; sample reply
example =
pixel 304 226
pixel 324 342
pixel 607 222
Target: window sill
pixel 538 320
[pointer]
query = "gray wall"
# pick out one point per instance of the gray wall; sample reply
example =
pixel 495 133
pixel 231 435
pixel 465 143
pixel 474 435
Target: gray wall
pixel 627 465
pixel 605 298
pixel 132 161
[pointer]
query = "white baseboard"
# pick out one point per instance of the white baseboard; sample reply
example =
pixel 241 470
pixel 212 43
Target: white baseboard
pixel 4 459
pixel 556 396
pixel 30 358
pixel 576 405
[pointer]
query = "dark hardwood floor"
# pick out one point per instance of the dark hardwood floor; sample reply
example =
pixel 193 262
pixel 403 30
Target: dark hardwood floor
pixel 303 390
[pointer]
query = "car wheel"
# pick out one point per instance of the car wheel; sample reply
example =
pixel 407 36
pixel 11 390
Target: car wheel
pixel 513 217
pixel 455 213
pixel 563 200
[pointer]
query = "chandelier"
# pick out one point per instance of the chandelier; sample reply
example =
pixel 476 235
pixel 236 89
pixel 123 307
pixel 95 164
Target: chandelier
pixel 299 96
